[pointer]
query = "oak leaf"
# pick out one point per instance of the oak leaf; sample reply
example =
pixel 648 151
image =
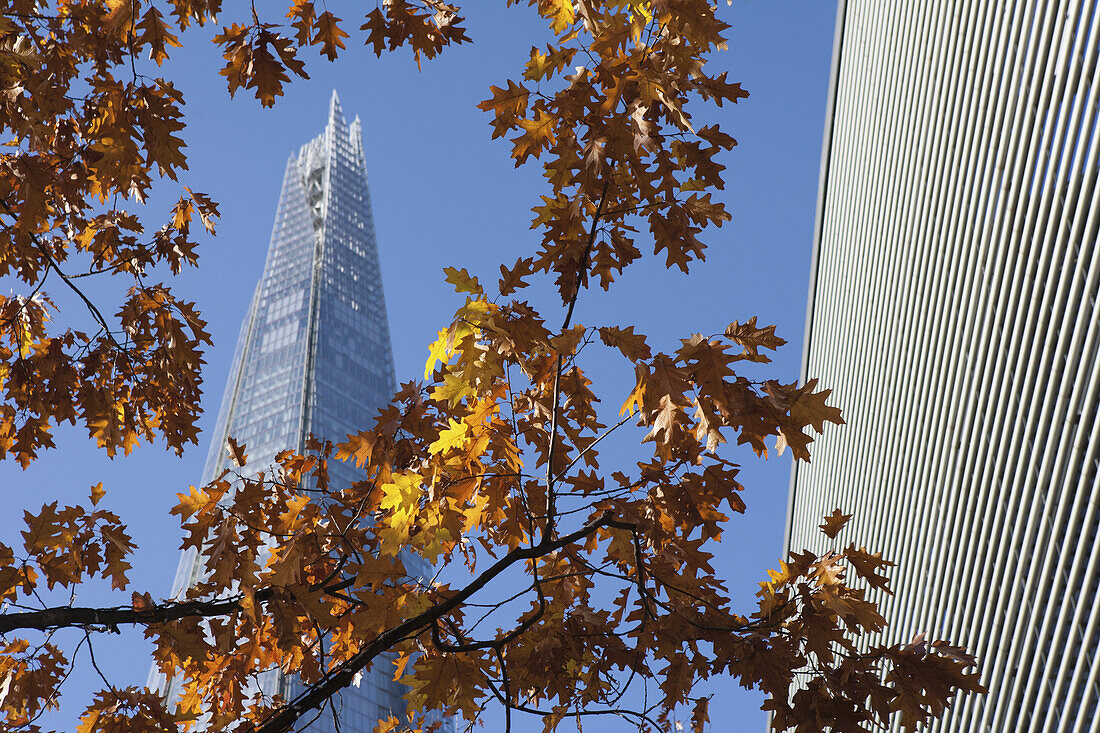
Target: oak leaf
pixel 462 281
pixel 538 134
pixel 632 345
pixel 328 35
pixel 154 33
pixel 867 565
pixel 809 407
pixel 302 14
pixel 560 13
pixel 834 523
pixel 752 339
pixel 511 279
pixel 508 106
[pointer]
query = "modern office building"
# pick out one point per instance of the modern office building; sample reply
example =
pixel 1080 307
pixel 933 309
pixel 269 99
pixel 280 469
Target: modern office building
pixel 313 356
pixel 953 309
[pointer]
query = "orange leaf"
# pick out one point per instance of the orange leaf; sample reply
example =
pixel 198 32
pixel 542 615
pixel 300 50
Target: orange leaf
pixel 538 134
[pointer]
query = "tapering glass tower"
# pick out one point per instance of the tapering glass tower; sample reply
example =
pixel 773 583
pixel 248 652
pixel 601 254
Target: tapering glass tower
pixel 313 356
pixel 954 312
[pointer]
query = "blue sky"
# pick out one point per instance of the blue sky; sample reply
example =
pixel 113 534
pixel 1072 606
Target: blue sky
pixel 444 194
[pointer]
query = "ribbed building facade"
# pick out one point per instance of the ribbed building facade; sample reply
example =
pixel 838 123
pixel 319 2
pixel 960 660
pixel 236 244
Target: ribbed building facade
pixel 313 357
pixel 953 310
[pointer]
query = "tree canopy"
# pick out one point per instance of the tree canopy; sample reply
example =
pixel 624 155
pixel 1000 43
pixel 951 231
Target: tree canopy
pixel 492 462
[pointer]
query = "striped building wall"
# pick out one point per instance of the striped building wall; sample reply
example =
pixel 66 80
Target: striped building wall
pixel 953 310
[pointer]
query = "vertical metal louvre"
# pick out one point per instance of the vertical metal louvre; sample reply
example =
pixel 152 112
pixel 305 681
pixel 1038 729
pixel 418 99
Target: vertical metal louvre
pixel 953 311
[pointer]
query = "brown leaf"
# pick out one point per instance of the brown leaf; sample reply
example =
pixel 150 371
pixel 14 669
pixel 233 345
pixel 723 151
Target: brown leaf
pixel 266 74
pixel 329 35
pixel 508 105
pixel 632 345
pixel 236 451
pixel 511 279
pixel 867 566
pixel 700 715
pixel 154 33
pixel 302 14
pixel 834 523
pixel 752 339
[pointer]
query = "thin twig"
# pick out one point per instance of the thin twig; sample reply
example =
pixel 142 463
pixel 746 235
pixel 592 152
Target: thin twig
pixel 582 269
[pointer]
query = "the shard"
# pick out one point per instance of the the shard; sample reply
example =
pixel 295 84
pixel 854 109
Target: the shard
pixel 313 356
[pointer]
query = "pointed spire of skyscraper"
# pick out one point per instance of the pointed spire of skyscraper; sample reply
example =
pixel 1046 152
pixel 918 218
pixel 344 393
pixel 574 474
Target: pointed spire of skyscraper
pixel 335 113
pixel 314 358
pixel 355 135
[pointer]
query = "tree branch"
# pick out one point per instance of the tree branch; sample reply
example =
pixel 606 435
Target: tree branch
pixel 582 269
pixel 111 618
pixel 339 678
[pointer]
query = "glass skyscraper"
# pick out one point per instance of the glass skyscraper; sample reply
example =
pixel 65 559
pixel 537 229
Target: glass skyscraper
pixel 954 311
pixel 313 356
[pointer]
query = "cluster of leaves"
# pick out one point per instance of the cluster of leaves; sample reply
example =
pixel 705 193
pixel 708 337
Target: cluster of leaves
pixel 62 548
pixel 87 135
pixel 259 57
pixel 72 164
pixel 323 595
pixel 493 462
pixel 622 151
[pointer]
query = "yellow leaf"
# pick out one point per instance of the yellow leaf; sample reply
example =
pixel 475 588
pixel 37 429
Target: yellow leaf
pixel 452 390
pixel 560 13
pixel 539 67
pixel 462 281
pixel 404 490
pixel 437 352
pixel 477 505
pixel 248 604
pixel 453 436
pixel 387 725
pixel 199 501
pixel 637 395
pixel 434 543
pixel 401 498
pixel 401 662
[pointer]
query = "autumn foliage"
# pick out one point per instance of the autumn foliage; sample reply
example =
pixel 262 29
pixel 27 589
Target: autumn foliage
pixel 492 462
